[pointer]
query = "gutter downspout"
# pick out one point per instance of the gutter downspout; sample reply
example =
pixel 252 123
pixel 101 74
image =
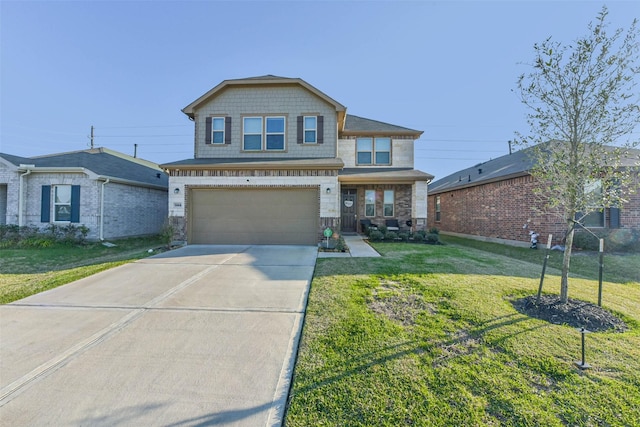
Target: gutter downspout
pixel 102 210
pixel 21 197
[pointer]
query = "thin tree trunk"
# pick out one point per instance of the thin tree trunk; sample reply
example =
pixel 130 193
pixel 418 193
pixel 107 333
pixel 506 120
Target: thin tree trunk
pixel 566 260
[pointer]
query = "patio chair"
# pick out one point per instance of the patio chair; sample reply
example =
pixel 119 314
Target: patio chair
pixel 392 225
pixel 366 225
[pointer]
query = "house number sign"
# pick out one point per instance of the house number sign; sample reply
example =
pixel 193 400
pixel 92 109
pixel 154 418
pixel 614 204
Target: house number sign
pixel 348 203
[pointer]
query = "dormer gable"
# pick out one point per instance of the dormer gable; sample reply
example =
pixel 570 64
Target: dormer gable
pixel 267 80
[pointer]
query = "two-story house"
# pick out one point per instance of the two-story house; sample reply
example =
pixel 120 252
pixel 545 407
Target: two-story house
pixel 276 161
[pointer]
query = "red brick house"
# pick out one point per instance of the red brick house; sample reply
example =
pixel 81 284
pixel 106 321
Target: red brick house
pixel 494 200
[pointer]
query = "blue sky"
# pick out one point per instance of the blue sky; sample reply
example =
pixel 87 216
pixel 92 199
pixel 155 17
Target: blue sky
pixel 128 68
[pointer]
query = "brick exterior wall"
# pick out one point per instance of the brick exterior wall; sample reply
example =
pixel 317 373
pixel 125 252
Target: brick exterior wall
pixel 499 210
pixel 129 210
pixel 402 205
pixel 289 101
pixel 133 211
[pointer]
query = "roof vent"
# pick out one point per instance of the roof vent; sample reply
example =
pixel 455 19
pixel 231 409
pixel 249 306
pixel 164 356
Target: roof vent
pixel 479 171
pixel 158 175
pixel 469 178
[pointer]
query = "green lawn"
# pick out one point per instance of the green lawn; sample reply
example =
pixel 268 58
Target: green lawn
pixel 427 335
pixel 25 272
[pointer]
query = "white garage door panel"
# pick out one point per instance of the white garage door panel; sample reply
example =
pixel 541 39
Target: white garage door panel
pixel 252 216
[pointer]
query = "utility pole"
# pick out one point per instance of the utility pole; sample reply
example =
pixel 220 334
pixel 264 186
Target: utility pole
pixel 92 137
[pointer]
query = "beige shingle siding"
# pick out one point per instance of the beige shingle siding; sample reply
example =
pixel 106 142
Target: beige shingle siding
pixel 290 101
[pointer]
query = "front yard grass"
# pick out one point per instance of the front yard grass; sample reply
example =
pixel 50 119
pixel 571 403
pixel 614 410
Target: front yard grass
pixel 25 272
pixel 427 335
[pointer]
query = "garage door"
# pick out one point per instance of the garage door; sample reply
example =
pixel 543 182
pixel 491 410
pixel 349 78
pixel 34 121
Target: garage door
pixel 253 216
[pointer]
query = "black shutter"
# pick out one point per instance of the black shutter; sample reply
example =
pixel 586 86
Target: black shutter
pixel 207 130
pixel 75 203
pixel 614 218
pixel 320 123
pixel 227 130
pixel 45 204
pixel 300 121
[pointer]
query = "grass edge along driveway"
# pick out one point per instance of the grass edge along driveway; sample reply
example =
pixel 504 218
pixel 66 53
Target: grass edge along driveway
pixel 25 272
pixel 427 335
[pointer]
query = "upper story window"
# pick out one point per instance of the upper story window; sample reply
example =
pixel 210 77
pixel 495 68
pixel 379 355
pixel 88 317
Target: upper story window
pixel 438 208
pixel 310 129
pixel 263 134
pixel 217 129
pixel 373 151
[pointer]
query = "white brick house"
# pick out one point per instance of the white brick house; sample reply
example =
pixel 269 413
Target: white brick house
pixel 112 194
pixel 276 161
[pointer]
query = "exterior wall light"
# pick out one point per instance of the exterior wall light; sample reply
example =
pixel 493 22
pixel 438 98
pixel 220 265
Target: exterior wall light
pixel 176 190
pixel 328 190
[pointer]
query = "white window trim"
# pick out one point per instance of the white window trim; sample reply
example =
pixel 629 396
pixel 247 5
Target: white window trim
pixel 213 131
pixel 393 203
pixel 305 129
pixel 263 134
pixel 373 151
pixel 283 133
pixel 365 204
pixel 54 189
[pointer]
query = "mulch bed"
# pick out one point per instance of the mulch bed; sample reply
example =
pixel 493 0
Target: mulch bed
pixel 578 314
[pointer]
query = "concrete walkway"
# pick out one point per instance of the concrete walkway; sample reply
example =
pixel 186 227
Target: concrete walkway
pixel 203 335
pixel 358 248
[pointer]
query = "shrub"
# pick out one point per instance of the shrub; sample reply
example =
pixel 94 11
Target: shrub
pixel 433 230
pixel 376 235
pixel 341 245
pixel 390 235
pixel 382 229
pixel 420 233
pixel 418 237
pixel 33 237
pixel 404 236
pixel 615 240
pixel 432 238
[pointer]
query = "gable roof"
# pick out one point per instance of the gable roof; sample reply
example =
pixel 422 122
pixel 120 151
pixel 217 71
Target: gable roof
pixel 100 161
pixel 504 167
pixel 355 125
pixel 189 110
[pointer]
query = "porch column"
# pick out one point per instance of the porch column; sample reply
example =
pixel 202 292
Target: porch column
pixel 419 205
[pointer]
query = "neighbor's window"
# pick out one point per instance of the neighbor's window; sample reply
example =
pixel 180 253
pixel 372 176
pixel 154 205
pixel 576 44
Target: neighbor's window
pixel 217 130
pixel 593 191
pixel 62 203
pixel 252 133
pixel 370 203
pixel 388 203
pixel 373 151
pixel 310 129
pixel 438 208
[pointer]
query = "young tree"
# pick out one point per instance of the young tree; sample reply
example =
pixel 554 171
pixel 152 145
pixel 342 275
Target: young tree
pixel 584 107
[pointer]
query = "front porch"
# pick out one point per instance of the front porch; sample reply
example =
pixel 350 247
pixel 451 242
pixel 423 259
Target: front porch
pixel 379 203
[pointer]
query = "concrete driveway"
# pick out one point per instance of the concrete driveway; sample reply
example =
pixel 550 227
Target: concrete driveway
pixel 203 335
